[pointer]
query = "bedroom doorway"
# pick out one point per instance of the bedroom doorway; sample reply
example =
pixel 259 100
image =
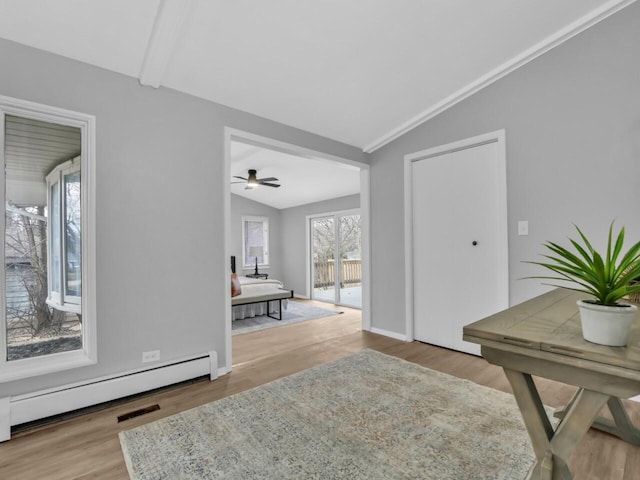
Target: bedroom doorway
pixel 336 258
pixel 276 162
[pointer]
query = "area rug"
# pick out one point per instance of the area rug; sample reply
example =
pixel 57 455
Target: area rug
pixel 294 313
pixel 366 416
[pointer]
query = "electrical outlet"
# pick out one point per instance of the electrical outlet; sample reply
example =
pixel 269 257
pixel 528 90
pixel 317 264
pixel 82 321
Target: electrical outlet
pixel 152 356
pixel 523 227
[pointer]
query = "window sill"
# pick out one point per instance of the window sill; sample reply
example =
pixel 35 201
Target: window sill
pixel 31 367
pixel 67 307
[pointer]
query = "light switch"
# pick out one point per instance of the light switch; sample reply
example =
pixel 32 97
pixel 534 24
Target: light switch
pixel 523 227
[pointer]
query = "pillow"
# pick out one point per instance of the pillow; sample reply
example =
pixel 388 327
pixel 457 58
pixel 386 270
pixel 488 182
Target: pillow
pixel 235 285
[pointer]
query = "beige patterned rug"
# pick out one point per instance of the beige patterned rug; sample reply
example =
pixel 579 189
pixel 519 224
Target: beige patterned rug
pixel 366 416
pixel 294 312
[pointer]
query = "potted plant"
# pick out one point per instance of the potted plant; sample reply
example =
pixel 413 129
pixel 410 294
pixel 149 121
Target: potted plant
pixel 606 278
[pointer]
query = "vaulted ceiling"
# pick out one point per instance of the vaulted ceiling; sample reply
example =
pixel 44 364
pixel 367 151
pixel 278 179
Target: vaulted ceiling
pixel 301 180
pixel 358 71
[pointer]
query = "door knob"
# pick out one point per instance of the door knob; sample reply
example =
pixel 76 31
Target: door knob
pixel 474 243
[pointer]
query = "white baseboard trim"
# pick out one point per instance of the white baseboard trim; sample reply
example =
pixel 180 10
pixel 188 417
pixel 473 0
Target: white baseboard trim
pixel 5 419
pixel 299 295
pixel 54 401
pixel 386 333
pixel 214 371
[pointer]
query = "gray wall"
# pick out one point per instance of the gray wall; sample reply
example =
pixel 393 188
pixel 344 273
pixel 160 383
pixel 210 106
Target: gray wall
pixel 572 120
pixel 294 239
pixel 162 272
pixel 241 206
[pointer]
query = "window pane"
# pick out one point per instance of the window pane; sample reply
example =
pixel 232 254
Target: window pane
pixel 350 255
pixel 54 250
pixel 32 150
pixel 254 237
pixel 73 254
pixel 323 243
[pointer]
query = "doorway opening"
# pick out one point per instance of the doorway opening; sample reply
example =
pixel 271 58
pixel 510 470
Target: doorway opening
pixel 288 243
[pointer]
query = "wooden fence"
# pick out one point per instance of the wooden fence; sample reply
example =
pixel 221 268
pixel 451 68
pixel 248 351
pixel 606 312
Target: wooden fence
pixel 350 273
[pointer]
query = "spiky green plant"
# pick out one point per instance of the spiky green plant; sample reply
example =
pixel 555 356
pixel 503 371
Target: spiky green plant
pixel 605 278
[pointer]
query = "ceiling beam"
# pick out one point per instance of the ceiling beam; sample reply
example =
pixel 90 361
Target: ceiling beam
pixel 164 36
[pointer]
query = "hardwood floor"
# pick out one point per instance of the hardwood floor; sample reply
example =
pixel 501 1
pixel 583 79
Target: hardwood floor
pixel 87 446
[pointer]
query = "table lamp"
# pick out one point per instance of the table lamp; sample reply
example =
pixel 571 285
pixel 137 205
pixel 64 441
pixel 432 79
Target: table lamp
pixel 256 252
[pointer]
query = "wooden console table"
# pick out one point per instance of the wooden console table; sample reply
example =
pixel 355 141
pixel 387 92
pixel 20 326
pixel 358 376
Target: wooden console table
pixel 543 337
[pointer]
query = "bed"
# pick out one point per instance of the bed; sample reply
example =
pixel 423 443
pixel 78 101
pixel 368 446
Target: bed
pixel 259 297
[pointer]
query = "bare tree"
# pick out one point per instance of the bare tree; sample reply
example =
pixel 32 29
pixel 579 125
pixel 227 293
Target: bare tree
pixel 350 235
pixel 25 240
pixel 324 237
pixel 324 245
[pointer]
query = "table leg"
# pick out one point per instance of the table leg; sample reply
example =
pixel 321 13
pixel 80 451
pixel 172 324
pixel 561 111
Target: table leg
pixel 553 449
pixel 624 429
pixel 621 425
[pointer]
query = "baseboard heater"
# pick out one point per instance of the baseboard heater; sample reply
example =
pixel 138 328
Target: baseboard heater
pixel 55 401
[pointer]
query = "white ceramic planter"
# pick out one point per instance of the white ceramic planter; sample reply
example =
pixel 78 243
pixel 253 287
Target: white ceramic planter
pixel 606 325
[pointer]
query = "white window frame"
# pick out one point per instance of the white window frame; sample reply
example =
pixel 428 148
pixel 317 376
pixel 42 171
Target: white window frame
pixel 60 300
pixel 29 367
pixel 246 262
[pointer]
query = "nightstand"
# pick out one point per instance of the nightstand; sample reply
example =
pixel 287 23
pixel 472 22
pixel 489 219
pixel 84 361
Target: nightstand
pixel 257 275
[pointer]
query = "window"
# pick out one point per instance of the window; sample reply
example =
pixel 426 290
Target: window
pixel 48 299
pixel 64 230
pixel 255 244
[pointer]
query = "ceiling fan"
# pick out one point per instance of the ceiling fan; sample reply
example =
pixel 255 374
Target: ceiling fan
pixel 253 181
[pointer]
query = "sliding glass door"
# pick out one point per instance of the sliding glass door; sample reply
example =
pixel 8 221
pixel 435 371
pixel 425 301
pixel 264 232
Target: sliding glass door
pixel 323 255
pixel 336 260
pixel 350 258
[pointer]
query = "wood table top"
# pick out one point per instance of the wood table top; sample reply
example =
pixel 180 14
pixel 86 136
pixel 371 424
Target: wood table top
pixel 551 323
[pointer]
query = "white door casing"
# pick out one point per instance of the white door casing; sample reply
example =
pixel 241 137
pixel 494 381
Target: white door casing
pixel 365 201
pixel 458 251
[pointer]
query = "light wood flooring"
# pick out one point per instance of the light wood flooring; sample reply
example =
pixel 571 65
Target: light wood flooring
pixel 87 446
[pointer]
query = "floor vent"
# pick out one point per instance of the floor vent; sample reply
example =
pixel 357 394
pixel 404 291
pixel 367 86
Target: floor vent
pixel 137 413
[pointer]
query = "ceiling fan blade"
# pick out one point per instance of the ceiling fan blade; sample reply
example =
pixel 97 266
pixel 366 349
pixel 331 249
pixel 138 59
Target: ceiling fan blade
pixel 269 179
pixel 237 182
pixel 241 178
pixel 269 184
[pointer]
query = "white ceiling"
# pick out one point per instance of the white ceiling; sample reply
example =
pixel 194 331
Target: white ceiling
pixel 358 71
pixel 302 180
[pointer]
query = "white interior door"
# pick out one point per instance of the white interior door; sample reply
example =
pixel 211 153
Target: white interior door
pixel 460 258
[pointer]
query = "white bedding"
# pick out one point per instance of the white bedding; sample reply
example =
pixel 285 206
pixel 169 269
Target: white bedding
pixel 251 282
pixel 256 286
